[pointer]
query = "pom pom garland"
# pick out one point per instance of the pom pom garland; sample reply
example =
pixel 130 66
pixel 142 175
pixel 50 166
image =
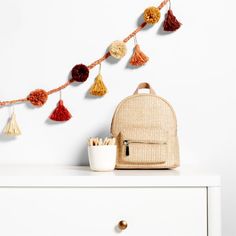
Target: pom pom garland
pixel 38 97
pixel 117 49
pixel 60 113
pixel 12 128
pixel 138 58
pixel 80 73
pixel 151 15
pixel 171 23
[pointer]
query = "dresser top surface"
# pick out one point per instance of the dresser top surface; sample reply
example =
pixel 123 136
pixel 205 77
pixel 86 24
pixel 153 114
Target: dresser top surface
pixel 75 176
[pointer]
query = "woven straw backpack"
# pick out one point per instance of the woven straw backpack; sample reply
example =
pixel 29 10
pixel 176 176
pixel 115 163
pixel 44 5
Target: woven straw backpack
pixel 145 128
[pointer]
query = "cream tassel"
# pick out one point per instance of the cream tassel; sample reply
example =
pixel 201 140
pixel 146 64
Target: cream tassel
pixel 12 128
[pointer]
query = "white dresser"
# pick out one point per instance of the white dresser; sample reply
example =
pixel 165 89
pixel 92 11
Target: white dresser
pixel 74 201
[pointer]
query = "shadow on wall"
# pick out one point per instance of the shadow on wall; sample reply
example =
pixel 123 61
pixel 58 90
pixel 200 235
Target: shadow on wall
pixel 83 152
pixel 89 96
pixel 161 31
pixel 52 122
pixel 5 138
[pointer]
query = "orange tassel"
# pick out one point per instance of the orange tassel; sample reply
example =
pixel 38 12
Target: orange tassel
pixel 138 58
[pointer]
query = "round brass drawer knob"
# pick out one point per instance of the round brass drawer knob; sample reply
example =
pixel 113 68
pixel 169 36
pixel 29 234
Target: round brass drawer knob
pixel 122 225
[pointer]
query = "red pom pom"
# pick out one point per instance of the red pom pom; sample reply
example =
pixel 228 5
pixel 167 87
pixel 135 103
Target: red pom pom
pixel 80 73
pixel 171 23
pixel 60 113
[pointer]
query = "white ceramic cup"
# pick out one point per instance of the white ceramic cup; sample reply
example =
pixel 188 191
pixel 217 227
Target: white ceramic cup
pixel 102 158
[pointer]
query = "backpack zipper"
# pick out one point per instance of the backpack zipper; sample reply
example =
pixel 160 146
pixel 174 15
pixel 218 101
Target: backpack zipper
pixel 127 142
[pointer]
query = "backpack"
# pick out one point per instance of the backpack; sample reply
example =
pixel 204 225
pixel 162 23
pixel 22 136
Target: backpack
pixel 145 129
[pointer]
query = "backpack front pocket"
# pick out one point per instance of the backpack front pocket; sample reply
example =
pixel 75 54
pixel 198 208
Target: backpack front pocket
pixel 144 145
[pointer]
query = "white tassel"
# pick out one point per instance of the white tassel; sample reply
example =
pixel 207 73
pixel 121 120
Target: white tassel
pixel 12 128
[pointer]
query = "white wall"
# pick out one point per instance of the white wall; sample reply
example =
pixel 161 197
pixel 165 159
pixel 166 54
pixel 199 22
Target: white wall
pixel 40 41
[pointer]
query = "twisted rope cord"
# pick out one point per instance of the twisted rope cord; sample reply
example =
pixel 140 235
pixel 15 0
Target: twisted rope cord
pixel 91 66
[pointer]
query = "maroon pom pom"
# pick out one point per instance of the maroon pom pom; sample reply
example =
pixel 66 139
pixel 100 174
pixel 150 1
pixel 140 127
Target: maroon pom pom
pixel 171 23
pixel 80 73
pixel 60 113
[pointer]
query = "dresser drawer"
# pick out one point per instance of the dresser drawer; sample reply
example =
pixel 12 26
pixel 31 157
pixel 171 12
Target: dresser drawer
pixel 97 211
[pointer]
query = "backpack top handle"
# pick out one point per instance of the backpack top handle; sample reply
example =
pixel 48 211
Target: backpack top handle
pixel 145 85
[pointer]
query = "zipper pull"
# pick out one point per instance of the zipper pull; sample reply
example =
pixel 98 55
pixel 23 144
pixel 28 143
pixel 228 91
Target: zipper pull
pixel 126 143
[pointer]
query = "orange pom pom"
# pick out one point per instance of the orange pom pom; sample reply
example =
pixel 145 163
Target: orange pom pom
pixel 138 58
pixel 38 97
